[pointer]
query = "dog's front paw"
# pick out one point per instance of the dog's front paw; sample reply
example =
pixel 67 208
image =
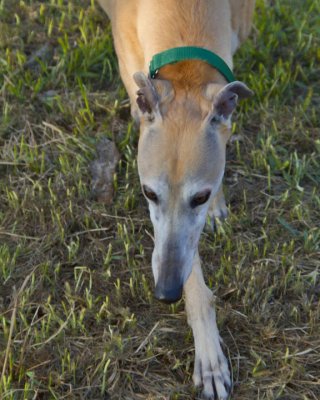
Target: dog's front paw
pixel 211 369
pixel 218 209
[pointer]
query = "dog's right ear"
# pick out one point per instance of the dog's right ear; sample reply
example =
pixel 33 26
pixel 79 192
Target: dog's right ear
pixel 152 93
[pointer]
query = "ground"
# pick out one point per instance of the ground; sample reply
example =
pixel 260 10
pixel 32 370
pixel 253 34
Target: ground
pixel 78 317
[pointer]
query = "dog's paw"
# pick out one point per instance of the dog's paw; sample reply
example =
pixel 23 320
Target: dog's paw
pixel 221 211
pixel 218 207
pixel 211 370
pixel 217 210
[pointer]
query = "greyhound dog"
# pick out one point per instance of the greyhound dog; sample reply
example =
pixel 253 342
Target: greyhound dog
pixel 183 102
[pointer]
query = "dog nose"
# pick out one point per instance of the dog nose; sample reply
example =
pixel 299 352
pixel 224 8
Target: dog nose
pixel 168 295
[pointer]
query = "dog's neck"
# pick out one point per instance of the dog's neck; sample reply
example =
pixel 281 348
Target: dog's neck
pixel 190 75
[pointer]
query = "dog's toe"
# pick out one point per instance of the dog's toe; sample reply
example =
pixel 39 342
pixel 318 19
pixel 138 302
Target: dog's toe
pixel 214 388
pixel 213 376
pixel 220 212
pixel 217 211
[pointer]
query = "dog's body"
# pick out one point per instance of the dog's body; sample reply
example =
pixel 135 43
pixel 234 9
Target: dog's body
pixel 185 119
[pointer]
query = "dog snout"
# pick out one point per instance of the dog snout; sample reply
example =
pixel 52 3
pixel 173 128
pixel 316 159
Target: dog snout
pixel 169 294
pixel 172 268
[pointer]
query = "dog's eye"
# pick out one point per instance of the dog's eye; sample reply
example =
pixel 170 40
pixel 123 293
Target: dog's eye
pixel 200 198
pixel 150 194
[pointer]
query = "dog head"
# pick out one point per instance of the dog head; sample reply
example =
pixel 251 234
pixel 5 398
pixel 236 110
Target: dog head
pixel 181 162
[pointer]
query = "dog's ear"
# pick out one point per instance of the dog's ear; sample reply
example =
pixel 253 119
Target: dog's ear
pixel 152 93
pixel 226 99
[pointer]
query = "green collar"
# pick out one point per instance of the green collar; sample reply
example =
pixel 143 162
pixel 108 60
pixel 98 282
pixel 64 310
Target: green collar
pixel 176 54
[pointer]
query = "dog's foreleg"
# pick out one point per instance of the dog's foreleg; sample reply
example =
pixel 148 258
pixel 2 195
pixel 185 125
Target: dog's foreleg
pixel 211 366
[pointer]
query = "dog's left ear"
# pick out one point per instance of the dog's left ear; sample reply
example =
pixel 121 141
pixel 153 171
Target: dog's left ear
pixel 226 99
pixel 152 93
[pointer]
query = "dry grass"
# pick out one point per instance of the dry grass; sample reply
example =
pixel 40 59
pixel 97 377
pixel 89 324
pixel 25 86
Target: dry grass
pixel 78 318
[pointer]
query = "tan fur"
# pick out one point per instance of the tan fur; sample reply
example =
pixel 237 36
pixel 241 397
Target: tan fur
pixel 181 151
pixel 142 28
pixel 241 14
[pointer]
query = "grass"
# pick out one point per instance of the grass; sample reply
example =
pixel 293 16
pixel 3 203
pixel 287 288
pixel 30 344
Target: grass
pixel 78 317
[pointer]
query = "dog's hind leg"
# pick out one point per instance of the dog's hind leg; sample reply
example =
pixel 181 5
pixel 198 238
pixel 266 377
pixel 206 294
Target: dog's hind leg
pixel 211 367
